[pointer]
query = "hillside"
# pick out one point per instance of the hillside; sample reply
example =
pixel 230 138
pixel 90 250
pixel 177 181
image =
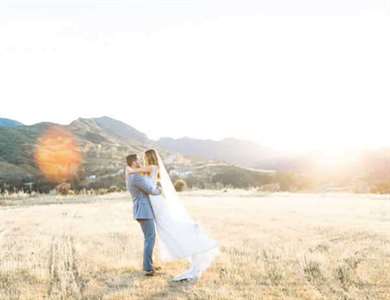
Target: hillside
pixel 9 123
pixel 234 151
pixel 122 131
pixel 103 143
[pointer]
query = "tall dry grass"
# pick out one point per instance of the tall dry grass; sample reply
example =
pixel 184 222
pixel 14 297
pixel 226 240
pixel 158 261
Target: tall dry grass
pixel 275 246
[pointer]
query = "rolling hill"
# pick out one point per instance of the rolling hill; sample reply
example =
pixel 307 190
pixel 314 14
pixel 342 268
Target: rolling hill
pixel 103 143
pixel 9 123
pixel 234 151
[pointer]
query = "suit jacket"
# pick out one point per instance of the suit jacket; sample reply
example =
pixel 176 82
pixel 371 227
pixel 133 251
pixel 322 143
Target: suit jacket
pixel 140 187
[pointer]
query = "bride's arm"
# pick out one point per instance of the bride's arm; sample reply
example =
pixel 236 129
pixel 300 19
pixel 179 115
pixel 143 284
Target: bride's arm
pixel 145 169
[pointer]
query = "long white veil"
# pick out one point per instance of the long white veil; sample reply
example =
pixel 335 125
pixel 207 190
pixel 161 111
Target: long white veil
pixel 177 208
pixel 180 235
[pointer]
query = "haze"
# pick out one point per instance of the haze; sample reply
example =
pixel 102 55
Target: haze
pixel 292 75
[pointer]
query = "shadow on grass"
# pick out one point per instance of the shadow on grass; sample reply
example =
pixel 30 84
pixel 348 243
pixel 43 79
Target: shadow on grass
pixel 174 290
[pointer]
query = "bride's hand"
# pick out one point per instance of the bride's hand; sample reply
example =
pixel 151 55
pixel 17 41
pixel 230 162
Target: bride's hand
pixel 138 170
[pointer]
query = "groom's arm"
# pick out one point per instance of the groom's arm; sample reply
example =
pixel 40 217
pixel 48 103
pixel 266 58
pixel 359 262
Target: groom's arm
pixel 144 185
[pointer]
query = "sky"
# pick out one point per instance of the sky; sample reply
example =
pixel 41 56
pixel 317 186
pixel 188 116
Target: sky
pixel 292 75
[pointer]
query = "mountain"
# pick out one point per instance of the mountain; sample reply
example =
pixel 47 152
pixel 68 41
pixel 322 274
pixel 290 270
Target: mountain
pixel 9 123
pixel 103 143
pixel 105 129
pixel 121 130
pixel 101 146
pixel 244 153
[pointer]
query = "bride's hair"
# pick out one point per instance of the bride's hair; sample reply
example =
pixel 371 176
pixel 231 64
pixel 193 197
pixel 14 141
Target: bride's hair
pixel 150 158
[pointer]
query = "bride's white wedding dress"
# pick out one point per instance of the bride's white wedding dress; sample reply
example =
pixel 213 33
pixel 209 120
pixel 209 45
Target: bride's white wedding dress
pixel 178 235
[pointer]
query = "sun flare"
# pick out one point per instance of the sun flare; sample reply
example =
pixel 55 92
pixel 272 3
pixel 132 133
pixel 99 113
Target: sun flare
pixel 58 155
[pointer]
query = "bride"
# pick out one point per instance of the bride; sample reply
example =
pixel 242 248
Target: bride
pixel 179 235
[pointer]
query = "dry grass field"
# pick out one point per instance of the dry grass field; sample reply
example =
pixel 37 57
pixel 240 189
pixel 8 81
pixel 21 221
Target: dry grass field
pixel 276 246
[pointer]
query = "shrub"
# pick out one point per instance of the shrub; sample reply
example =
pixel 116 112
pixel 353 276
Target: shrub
pixel 102 191
pixel 63 188
pixel 113 189
pixel 180 185
pixel 381 188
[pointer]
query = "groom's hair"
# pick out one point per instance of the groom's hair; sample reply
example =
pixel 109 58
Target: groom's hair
pixel 131 158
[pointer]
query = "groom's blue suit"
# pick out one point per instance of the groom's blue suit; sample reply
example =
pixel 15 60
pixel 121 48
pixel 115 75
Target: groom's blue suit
pixel 140 188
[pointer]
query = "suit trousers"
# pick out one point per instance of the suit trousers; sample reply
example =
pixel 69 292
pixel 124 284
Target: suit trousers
pixel 149 231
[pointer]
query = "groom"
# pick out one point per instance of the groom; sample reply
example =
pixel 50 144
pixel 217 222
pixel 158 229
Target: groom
pixel 140 189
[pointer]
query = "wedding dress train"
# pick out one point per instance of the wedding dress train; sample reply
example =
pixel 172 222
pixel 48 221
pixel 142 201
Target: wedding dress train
pixel 179 236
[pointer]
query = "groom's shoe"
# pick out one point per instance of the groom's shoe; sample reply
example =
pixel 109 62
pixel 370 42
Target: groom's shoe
pixel 150 273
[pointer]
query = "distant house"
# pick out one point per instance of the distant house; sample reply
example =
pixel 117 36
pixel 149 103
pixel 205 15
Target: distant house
pixel 91 178
pixel 270 187
pixel 29 186
pixel 177 159
pixel 180 173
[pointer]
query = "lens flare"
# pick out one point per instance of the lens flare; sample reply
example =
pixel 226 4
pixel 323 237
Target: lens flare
pixel 57 155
